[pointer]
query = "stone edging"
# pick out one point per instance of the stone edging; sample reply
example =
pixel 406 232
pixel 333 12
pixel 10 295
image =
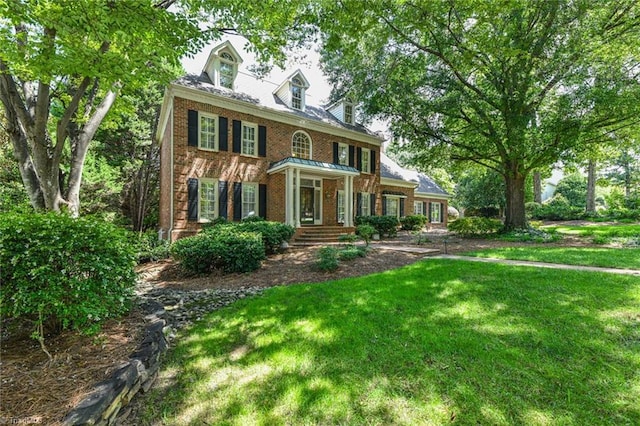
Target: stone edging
pixel 108 400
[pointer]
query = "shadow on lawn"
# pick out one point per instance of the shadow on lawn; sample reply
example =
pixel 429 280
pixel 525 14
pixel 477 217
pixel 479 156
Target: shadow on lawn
pixel 431 343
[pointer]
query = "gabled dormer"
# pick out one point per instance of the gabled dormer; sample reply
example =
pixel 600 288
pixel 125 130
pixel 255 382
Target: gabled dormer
pixel 292 91
pixel 222 65
pixel 344 110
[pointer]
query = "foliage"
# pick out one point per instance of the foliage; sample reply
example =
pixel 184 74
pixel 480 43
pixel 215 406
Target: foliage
pixel 273 234
pixel 348 238
pixel 510 85
pixel 249 219
pixel 470 226
pixel 533 235
pixel 479 189
pixel 365 231
pixel 327 259
pixel 557 208
pixel 573 188
pixel 351 253
pixel 384 225
pixel 413 222
pixel 62 272
pixel 149 247
pixel 13 197
pixel 415 345
pixel 229 250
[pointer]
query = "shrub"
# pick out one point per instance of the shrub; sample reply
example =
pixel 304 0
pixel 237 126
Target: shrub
pixel 253 218
pixel 62 272
pixel 558 208
pixel 227 250
pixel 468 226
pixel 149 248
pixel 413 222
pixel 348 239
pixel 365 232
pixel 384 225
pixel 273 234
pixel 350 253
pixel 327 259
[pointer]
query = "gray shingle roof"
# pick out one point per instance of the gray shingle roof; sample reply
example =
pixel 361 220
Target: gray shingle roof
pixel 392 170
pixel 329 166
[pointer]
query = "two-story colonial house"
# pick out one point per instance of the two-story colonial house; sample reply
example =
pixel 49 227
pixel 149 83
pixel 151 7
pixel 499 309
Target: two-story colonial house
pixel 233 145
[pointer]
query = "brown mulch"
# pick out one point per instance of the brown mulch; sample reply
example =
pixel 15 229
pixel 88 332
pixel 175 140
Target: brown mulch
pixel 34 390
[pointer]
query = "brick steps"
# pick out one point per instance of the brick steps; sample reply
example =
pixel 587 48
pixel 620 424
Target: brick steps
pixel 320 234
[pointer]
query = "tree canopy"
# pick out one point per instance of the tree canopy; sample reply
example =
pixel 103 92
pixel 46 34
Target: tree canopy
pixel 510 85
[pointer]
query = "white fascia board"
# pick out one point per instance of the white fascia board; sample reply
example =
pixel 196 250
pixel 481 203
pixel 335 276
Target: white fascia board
pixel 398 182
pixel 270 114
pixel 434 196
pixel 314 169
pixel 165 113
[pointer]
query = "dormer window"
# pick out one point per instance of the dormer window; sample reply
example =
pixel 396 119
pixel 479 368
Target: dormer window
pixel 348 113
pixel 227 70
pixel 344 110
pixel 297 93
pixel 222 65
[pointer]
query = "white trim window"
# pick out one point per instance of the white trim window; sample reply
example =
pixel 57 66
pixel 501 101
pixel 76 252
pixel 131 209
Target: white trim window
pixel 348 112
pixel 435 212
pixel 207 199
pixel 343 154
pixel 249 199
pixel 392 206
pixel 418 208
pixel 227 70
pixel 365 160
pixel 340 210
pixel 365 204
pixel 207 134
pixel 297 93
pixel 301 145
pixel 249 138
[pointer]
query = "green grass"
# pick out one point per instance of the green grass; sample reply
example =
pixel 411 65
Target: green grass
pixel 597 229
pixel 437 342
pixel 627 258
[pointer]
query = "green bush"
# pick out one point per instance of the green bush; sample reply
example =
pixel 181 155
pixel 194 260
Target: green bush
pixel 250 219
pixel 228 250
pixel 348 239
pixel 558 208
pixel 468 226
pixel 384 225
pixel 63 273
pixel 149 248
pixel 350 253
pixel 365 232
pixel 414 222
pixel 273 233
pixel 327 259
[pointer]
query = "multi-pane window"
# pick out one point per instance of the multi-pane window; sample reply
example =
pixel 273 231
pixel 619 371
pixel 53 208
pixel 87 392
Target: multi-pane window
pixel 343 154
pixel 207 191
pixel 301 146
pixel 418 207
pixel 226 70
pixel 297 93
pixel 365 206
pixel 392 206
pixel 365 161
pixel 249 199
pixel 207 131
pixel 435 213
pixel 249 139
pixel 340 208
pixel 348 113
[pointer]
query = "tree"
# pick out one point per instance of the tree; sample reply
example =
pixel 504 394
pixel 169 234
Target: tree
pixel 63 63
pixel 507 85
pixel 480 189
pixel 574 188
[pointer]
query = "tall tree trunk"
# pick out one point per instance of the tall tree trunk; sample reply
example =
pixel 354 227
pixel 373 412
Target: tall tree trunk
pixel 591 186
pixel 537 187
pixel 515 217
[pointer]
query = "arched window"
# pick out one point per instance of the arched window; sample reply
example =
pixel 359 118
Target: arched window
pixel 297 92
pixel 227 70
pixel 301 145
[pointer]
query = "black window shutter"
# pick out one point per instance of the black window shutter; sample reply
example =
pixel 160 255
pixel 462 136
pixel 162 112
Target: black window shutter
pixel 373 161
pixel 429 212
pixel 237 135
pixel 442 212
pixel 192 203
pixel 237 201
pixel 359 204
pixel 352 156
pixel 223 134
pixel 336 160
pixel 223 192
pixel 359 159
pixel 262 141
pixel 424 208
pixel 337 215
pixel 262 201
pixel 192 128
pixel 372 210
pixel 384 205
pixel 402 207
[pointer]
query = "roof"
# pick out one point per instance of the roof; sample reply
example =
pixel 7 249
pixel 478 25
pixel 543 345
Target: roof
pixel 249 88
pixel 328 167
pixel 391 170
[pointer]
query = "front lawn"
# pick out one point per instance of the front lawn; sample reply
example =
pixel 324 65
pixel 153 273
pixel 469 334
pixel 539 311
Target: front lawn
pixel 597 229
pixel 437 342
pixel 628 258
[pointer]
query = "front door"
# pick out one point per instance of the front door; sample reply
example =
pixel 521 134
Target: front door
pixel 306 205
pixel 310 201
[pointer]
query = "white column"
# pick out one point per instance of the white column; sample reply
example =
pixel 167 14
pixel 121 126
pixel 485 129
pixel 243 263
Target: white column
pixel 348 201
pixel 296 201
pixel 290 199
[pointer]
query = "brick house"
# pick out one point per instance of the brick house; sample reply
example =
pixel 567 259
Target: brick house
pixel 233 146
